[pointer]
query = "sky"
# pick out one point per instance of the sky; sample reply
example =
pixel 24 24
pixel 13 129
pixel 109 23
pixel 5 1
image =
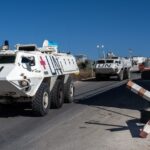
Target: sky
pixel 78 26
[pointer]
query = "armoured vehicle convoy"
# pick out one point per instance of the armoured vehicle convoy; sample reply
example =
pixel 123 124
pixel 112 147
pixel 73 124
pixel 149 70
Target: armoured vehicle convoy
pixel 40 76
pixel 113 66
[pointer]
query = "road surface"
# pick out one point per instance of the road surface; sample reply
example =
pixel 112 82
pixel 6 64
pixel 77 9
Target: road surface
pixel 104 116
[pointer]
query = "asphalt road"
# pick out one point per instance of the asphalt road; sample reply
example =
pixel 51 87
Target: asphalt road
pixel 104 116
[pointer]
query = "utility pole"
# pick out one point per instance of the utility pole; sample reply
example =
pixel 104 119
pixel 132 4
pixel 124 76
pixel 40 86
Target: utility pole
pixel 101 47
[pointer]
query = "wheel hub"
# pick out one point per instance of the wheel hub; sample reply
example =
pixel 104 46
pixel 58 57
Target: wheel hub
pixel 71 90
pixel 45 100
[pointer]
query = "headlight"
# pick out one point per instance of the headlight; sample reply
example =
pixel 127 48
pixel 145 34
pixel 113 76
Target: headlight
pixel 24 83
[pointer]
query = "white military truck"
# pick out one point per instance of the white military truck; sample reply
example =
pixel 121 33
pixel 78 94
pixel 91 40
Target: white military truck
pixel 40 76
pixel 113 66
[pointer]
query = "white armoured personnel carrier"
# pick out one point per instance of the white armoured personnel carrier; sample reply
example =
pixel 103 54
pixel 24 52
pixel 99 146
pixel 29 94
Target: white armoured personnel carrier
pixel 40 76
pixel 113 66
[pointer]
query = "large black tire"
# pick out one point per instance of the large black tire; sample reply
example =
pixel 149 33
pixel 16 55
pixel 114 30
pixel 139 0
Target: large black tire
pixel 58 94
pixel 41 101
pixel 69 91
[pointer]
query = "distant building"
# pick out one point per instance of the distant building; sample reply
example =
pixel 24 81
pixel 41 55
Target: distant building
pixel 138 60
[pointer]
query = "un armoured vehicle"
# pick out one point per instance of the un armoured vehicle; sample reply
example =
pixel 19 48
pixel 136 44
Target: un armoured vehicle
pixel 113 66
pixel 40 76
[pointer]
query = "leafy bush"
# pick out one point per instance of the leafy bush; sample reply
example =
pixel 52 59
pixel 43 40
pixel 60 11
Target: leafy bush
pixel 86 69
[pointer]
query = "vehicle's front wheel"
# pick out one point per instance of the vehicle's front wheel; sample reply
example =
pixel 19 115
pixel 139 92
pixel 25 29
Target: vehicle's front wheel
pixel 41 101
pixel 69 91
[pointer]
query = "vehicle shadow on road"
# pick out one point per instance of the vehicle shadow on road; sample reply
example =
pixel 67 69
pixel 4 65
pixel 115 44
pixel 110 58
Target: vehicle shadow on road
pixel 14 110
pixel 121 98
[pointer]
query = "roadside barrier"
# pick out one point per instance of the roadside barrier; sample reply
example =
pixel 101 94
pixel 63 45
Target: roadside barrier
pixel 146 130
pixel 139 90
pixel 145 94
